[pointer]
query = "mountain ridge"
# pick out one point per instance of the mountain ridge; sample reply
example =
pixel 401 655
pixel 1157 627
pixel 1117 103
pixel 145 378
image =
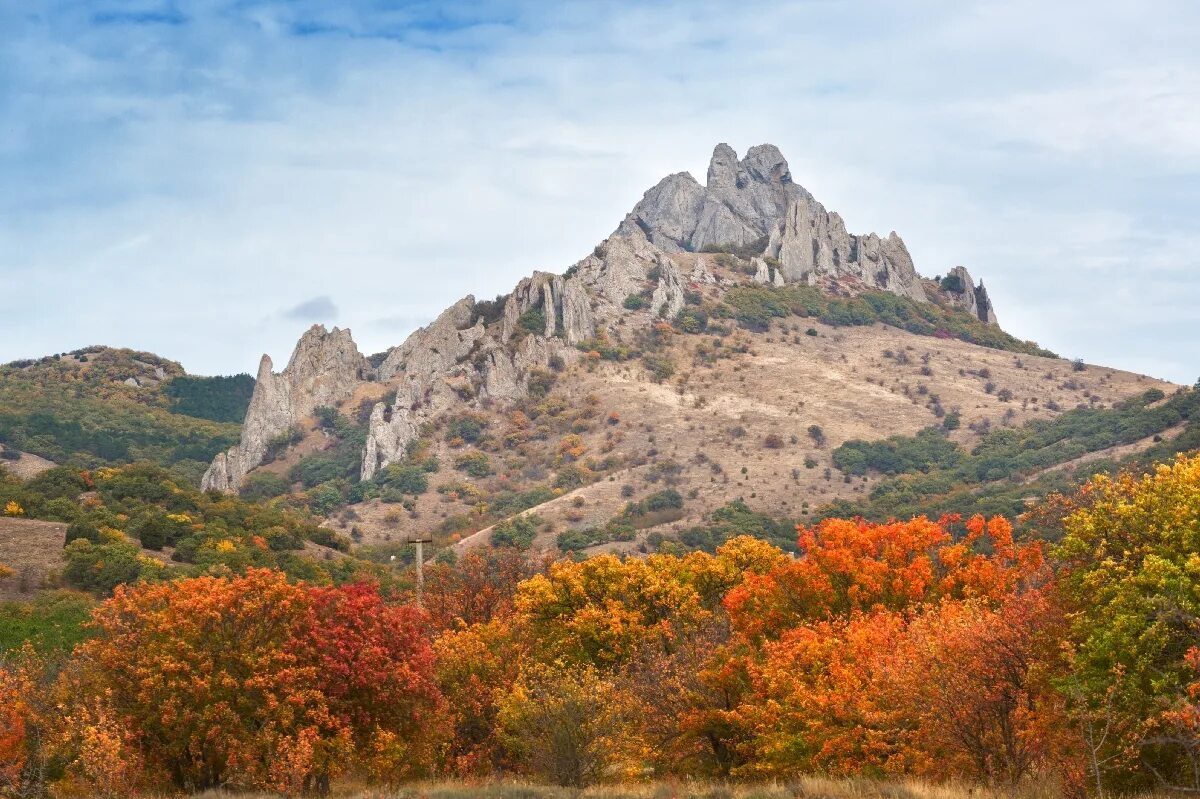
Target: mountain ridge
pixel 751 205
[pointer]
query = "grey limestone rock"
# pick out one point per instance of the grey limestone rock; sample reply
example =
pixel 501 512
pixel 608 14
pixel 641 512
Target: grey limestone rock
pixel 324 369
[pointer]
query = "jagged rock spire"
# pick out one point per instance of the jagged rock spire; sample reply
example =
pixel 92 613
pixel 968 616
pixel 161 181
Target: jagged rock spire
pixel 324 369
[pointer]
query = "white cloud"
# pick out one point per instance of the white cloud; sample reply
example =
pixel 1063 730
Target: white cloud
pixel 167 185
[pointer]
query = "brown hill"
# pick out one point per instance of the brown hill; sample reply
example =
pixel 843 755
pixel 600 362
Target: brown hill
pixel 654 374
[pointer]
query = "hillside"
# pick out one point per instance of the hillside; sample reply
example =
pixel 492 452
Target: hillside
pixel 724 344
pixel 92 530
pixel 101 405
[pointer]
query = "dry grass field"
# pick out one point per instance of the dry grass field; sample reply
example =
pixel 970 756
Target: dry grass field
pixel 799 788
pixel 33 550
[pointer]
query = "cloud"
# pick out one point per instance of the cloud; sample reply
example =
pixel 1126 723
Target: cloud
pixel 170 172
pixel 318 309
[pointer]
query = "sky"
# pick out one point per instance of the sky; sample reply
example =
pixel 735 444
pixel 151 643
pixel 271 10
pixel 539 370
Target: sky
pixel 206 179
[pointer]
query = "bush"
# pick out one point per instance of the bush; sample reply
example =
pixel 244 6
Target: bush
pixel 816 434
pixel 264 485
pixel 476 464
pixel 927 450
pixel 533 321
pixel 662 500
pixel 468 428
pixel 101 568
pixel 324 498
pixel 613 530
pixel 154 531
pixel 953 284
pixel 405 478
pixel 736 519
pixel 517 532
pixel 660 367
pixel 84 530
pixel 634 302
pixel 691 320
pixel 491 310
pixel 773 441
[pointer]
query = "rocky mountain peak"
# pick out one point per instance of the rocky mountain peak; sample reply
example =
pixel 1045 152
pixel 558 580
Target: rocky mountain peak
pixel 324 369
pixel 765 164
pixel 723 169
pixel 489 352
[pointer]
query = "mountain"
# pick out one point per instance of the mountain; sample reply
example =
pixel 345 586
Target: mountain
pixel 103 405
pixel 724 344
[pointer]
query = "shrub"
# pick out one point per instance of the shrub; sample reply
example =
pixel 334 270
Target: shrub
pixel 517 532
pixel 660 367
pixel 85 530
pixel 476 464
pixel 736 519
pixel 469 428
pixel 773 441
pixel 101 568
pixel 953 284
pixel 405 478
pixel 154 531
pixel 817 435
pixel 927 450
pixel 691 320
pixel 491 310
pixel 634 302
pixel 662 500
pixel 533 321
pixel 263 485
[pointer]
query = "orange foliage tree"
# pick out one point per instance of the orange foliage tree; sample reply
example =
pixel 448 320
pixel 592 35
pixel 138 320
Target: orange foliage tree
pixel 855 653
pixel 849 565
pixel 254 681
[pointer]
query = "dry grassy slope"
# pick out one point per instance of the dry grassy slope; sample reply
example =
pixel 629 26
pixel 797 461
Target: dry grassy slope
pixel 33 550
pixel 721 413
pixel 26 466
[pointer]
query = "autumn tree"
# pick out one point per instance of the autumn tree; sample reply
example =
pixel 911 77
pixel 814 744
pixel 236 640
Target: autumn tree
pixel 849 565
pixel 1132 585
pixel 255 681
pixel 478 587
pixel 571 725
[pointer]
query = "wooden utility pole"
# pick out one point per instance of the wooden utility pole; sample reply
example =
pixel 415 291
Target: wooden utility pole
pixel 420 540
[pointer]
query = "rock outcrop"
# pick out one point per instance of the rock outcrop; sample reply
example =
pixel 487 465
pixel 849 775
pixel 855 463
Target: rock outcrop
pixel 324 369
pixel 967 296
pixel 388 433
pixel 487 352
pixel 753 205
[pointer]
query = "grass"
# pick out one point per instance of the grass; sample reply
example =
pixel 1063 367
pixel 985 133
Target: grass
pixel 53 622
pixel 798 788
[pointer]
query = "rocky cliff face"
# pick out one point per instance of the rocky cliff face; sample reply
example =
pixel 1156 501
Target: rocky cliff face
pixel 477 352
pixel 753 203
pixel 967 296
pixel 325 368
pixel 464 356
